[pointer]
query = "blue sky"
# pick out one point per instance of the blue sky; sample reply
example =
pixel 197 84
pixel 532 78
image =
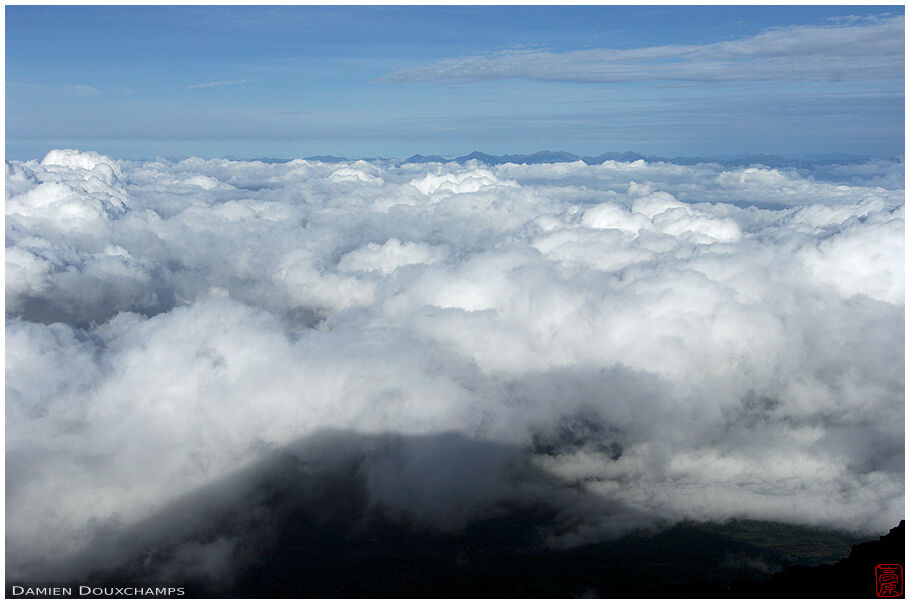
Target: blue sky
pixel 293 81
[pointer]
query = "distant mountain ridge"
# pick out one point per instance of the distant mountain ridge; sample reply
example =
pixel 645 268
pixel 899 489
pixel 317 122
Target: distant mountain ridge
pixel 552 157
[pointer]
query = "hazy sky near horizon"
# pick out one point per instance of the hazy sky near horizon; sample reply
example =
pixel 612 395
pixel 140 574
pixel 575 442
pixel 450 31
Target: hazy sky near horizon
pixel 293 81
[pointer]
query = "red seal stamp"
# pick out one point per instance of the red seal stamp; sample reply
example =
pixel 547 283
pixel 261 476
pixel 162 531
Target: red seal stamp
pixel 889 580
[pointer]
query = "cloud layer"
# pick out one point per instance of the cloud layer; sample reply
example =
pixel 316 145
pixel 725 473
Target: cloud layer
pixel 857 51
pixel 697 342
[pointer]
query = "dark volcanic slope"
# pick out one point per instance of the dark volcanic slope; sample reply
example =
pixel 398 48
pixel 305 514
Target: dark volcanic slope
pixel 502 558
pixel 852 577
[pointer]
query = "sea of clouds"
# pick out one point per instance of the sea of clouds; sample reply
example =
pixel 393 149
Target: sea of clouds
pixel 662 342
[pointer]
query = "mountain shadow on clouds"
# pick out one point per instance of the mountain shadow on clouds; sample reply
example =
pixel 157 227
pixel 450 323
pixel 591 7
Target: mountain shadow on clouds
pixel 341 514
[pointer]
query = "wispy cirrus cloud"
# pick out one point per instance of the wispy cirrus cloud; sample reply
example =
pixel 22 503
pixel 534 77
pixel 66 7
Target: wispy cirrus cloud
pixel 214 84
pixel 82 90
pixel 857 51
pixel 38 90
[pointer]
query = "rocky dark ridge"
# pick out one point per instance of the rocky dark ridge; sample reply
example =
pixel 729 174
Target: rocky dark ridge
pixel 852 577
